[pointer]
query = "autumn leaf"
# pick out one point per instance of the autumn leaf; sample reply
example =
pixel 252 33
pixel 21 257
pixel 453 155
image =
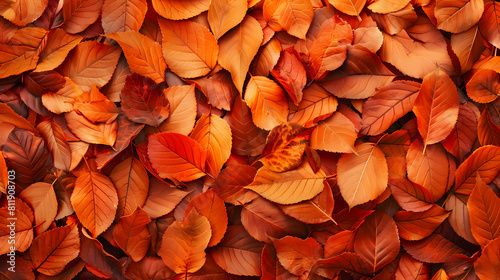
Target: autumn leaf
pixel 457 16
pixel 132 235
pixel 267 101
pixel 186 57
pixel 336 129
pixel 362 176
pixel 95 201
pixel 436 107
pixel 143 101
pixel 180 9
pixel 183 244
pixel 238 47
pixel 489 23
pixel 288 187
pixel 224 15
pixel 80 14
pixel 285 146
pixel 317 104
pixel 123 15
pixel 177 156
pixel 297 255
pixel 352 8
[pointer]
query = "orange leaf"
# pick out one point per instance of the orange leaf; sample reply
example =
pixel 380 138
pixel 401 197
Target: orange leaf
pixel 22 12
pixel 80 14
pixel 368 37
pixel 484 86
pixel 52 250
pixel 149 268
pixel 288 187
pixel 350 7
pixel 285 146
pixel 7 115
pixel 328 50
pixel 431 168
pixel 489 24
pixel 99 133
pixel 436 107
pixel 61 101
pixel 91 63
pixel 183 244
pixel 95 106
pixel 4 175
pixel 415 226
pixel 410 196
pixel 462 137
pixel 18 58
pixel 484 161
pixel 317 104
pixel 56 144
pixel 176 156
pixel 295 16
pixel 238 47
pixel 266 58
pixel 180 9
pixel 488 264
pixel 339 243
pixel 214 136
pixel 131 181
pixel 264 220
pixel 488 133
pixel 182 110
pixel 336 129
pixel 23 232
pixel 162 198
pixel 42 199
pixel 224 15
pixel 394 22
pixel 123 15
pixel 360 76
pixel 267 101
pixel 410 268
pixel 297 255
pixel 230 183
pixel 143 101
pixel 95 201
pixel 387 6
pixel 457 15
pixel 346 261
pixel 59 44
pixel 248 139
pixel 40 83
pixel 440 275
pixel 186 57
pixel 132 235
pixel 290 73
pixel 484 211
pixel 468 47
pixel 432 249
pixel 219 89
pixel 142 53
pixel 362 176
pixel 238 253
pixel 389 104
pixel 209 205
pixel 377 240
pixel 417 50
pixel 315 211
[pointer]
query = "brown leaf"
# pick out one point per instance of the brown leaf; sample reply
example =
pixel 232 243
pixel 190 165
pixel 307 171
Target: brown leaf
pixel 56 144
pixel 99 133
pixel 415 226
pixel 143 101
pixel 42 199
pixel 238 253
pixel 290 73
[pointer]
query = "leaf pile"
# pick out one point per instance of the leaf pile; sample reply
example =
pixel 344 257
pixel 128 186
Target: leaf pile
pixel 250 139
